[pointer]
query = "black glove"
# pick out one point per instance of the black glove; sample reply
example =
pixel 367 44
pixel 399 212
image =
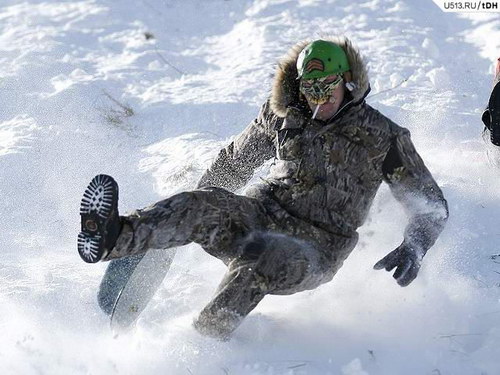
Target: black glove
pixel 407 260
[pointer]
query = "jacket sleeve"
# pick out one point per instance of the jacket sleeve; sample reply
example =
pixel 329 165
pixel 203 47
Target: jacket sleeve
pixel 414 187
pixel 235 164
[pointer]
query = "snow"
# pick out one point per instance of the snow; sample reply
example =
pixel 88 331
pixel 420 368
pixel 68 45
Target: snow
pixel 83 92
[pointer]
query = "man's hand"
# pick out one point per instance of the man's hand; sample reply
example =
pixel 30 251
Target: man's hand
pixel 406 259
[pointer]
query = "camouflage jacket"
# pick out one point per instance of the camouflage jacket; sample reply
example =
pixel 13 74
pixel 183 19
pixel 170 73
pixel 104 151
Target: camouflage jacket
pixel 327 173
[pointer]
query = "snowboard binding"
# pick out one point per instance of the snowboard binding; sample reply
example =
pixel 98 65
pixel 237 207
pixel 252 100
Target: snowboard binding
pixel 99 219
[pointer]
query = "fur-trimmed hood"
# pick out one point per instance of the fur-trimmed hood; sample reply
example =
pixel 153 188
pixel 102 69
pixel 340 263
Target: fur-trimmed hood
pixel 285 89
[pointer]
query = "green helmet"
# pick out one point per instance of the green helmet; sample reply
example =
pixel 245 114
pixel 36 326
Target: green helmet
pixel 320 59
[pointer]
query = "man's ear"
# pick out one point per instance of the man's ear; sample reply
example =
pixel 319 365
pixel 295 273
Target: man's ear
pixel 348 76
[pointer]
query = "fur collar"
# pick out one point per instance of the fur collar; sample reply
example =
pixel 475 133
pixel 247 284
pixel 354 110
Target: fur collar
pixel 285 89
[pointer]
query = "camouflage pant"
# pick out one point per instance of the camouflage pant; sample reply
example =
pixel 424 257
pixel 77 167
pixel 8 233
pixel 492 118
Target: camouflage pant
pixel 267 251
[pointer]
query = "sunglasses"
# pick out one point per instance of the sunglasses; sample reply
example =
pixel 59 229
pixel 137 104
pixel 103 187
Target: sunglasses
pixel 319 90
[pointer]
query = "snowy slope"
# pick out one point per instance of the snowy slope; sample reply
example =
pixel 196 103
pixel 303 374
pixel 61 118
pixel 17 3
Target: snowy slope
pixel 84 91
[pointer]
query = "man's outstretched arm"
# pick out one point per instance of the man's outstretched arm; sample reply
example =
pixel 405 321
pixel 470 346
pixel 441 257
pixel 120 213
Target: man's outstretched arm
pixel 235 164
pixel 413 185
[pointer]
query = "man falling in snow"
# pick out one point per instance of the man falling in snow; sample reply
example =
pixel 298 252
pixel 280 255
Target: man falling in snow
pixel 293 231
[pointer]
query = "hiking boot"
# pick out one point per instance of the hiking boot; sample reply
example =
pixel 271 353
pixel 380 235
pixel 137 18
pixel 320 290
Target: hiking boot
pixel 99 219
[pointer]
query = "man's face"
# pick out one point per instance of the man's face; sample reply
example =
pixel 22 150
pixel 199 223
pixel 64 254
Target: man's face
pixel 327 93
pixel 319 90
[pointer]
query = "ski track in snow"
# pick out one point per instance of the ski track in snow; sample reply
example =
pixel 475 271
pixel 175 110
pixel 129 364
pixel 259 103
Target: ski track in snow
pixel 83 92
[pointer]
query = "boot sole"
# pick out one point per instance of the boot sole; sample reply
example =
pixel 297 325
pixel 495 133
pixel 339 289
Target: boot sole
pixel 98 205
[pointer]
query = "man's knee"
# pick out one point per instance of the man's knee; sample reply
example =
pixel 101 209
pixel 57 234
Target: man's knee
pixel 283 264
pixel 273 250
pixel 252 247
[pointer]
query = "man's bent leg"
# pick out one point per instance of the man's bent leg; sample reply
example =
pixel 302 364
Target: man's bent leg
pixel 270 263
